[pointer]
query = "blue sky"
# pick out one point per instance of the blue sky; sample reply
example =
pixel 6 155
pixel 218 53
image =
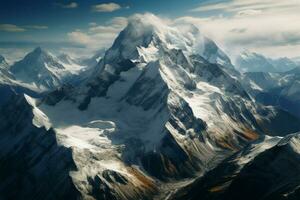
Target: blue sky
pixel 81 27
pixel 53 19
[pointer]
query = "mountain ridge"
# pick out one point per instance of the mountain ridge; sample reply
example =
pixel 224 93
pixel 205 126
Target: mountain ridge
pixel 254 62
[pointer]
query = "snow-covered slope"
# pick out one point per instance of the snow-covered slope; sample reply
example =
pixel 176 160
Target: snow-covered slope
pixel 268 169
pixel 254 62
pixel 79 71
pixel 71 64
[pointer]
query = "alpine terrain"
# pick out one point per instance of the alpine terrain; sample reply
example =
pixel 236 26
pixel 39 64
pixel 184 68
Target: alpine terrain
pixel 163 114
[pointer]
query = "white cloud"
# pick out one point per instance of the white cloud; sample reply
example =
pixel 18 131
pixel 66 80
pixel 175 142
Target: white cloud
pixel 264 27
pixel 269 26
pixel 106 7
pixel 12 55
pixel 11 28
pixel 99 36
pixel 38 27
pixel 248 12
pixel 16 28
pixel 238 5
pixel 70 5
pixel 79 37
pixel 92 24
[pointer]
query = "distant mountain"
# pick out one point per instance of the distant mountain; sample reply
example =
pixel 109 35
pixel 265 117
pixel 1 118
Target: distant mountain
pixel 284 64
pixel 94 60
pixel 66 59
pixel 41 71
pixel 73 66
pixel 9 86
pixel 296 60
pixel 254 62
pixel 277 89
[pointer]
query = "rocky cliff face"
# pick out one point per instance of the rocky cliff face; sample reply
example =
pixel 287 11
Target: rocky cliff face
pixel 33 165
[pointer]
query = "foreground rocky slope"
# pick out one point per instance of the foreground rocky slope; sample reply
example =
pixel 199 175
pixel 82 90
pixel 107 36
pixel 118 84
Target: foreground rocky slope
pixel 267 169
pixel 31 161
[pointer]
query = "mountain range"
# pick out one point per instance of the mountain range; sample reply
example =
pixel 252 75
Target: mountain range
pixel 253 62
pixel 276 89
pixel 164 114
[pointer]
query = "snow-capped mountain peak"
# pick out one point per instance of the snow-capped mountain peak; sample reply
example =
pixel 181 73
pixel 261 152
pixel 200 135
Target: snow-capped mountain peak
pixel 148 30
pixel 35 60
pixel 39 69
pixel 42 71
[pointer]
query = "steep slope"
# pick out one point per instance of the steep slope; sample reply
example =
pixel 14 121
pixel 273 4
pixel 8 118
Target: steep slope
pixel 3 64
pixel 4 70
pixel 213 54
pixel 31 161
pixel 267 169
